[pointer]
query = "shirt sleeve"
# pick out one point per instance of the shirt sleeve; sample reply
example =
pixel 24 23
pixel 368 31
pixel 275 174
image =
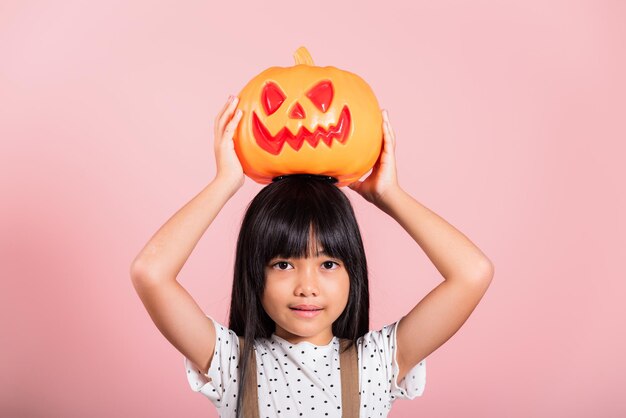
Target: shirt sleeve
pixel 222 370
pixel 412 384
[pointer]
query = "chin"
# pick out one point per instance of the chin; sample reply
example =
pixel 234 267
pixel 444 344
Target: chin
pixel 305 330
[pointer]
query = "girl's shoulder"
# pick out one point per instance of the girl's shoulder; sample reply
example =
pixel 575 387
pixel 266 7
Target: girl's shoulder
pixel 377 351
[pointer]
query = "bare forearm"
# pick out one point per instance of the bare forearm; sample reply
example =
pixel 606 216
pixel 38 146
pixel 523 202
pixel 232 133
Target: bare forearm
pixel 452 253
pixel 169 248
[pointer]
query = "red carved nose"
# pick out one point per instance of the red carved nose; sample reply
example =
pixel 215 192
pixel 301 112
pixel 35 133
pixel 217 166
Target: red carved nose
pixel 297 112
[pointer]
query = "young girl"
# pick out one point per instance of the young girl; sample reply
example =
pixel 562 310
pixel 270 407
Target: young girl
pixel 300 292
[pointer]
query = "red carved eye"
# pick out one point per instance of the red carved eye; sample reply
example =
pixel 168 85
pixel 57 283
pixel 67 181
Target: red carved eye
pixel 321 95
pixel 272 97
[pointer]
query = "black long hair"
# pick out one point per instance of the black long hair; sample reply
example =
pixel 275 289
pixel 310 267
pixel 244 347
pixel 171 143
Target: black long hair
pixel 278 223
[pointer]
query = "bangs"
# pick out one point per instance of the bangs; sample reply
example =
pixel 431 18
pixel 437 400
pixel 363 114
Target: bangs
pixel 304 235
pixel 302 218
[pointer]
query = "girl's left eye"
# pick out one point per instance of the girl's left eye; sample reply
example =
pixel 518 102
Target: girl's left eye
pixel 330 264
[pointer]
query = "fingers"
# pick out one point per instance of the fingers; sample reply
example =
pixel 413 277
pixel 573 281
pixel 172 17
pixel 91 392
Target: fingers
pixel 230 99
pixel 232 125
pixel 221 112
pixel 224 116
pixel 389 136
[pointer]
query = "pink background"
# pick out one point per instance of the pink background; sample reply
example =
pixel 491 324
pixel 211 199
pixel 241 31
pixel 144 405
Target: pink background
pixel 510 123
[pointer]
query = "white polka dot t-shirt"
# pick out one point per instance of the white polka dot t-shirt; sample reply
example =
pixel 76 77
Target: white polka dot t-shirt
pixel 304 380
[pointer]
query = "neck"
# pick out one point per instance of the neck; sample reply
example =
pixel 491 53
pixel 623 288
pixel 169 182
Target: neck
pixel 323 338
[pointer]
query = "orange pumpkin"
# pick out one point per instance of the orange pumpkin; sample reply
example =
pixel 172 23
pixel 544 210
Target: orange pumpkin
pixel 308 120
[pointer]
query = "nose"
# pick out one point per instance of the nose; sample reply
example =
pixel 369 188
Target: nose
pixel 307 284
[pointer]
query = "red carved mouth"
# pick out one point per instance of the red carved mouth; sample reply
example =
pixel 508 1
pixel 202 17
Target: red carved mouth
pixel 274 144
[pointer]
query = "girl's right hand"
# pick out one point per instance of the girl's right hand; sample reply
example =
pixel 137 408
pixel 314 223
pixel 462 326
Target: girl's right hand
pixel 228 166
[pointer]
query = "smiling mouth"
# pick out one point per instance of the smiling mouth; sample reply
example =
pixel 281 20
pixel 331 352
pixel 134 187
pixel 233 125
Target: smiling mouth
pixel 274 144
pixel 306 313
pixel 305 310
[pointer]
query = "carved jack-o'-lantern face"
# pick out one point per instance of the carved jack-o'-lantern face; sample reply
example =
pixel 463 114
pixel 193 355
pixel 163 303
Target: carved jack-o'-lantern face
pixel 308 119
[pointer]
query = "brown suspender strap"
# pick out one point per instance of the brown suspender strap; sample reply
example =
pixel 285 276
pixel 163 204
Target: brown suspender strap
pixel 350 397
pixel 250 394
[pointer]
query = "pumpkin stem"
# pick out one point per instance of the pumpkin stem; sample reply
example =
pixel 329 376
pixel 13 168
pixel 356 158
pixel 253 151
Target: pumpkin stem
pixel 302 56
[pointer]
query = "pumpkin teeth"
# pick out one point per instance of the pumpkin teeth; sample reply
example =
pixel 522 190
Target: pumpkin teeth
pixel 274 144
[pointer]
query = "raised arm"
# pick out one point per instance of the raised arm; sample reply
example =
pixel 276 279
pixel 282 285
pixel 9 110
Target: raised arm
pixel 466 270
pixel 153 272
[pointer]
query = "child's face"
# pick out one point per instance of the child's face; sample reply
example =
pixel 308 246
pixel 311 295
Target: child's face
pixel 317 280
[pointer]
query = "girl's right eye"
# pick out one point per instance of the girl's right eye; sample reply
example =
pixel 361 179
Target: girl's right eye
pixel 281 265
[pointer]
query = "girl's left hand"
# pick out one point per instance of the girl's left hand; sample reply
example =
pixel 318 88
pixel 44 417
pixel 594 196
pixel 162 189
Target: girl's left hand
pixel 383 176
